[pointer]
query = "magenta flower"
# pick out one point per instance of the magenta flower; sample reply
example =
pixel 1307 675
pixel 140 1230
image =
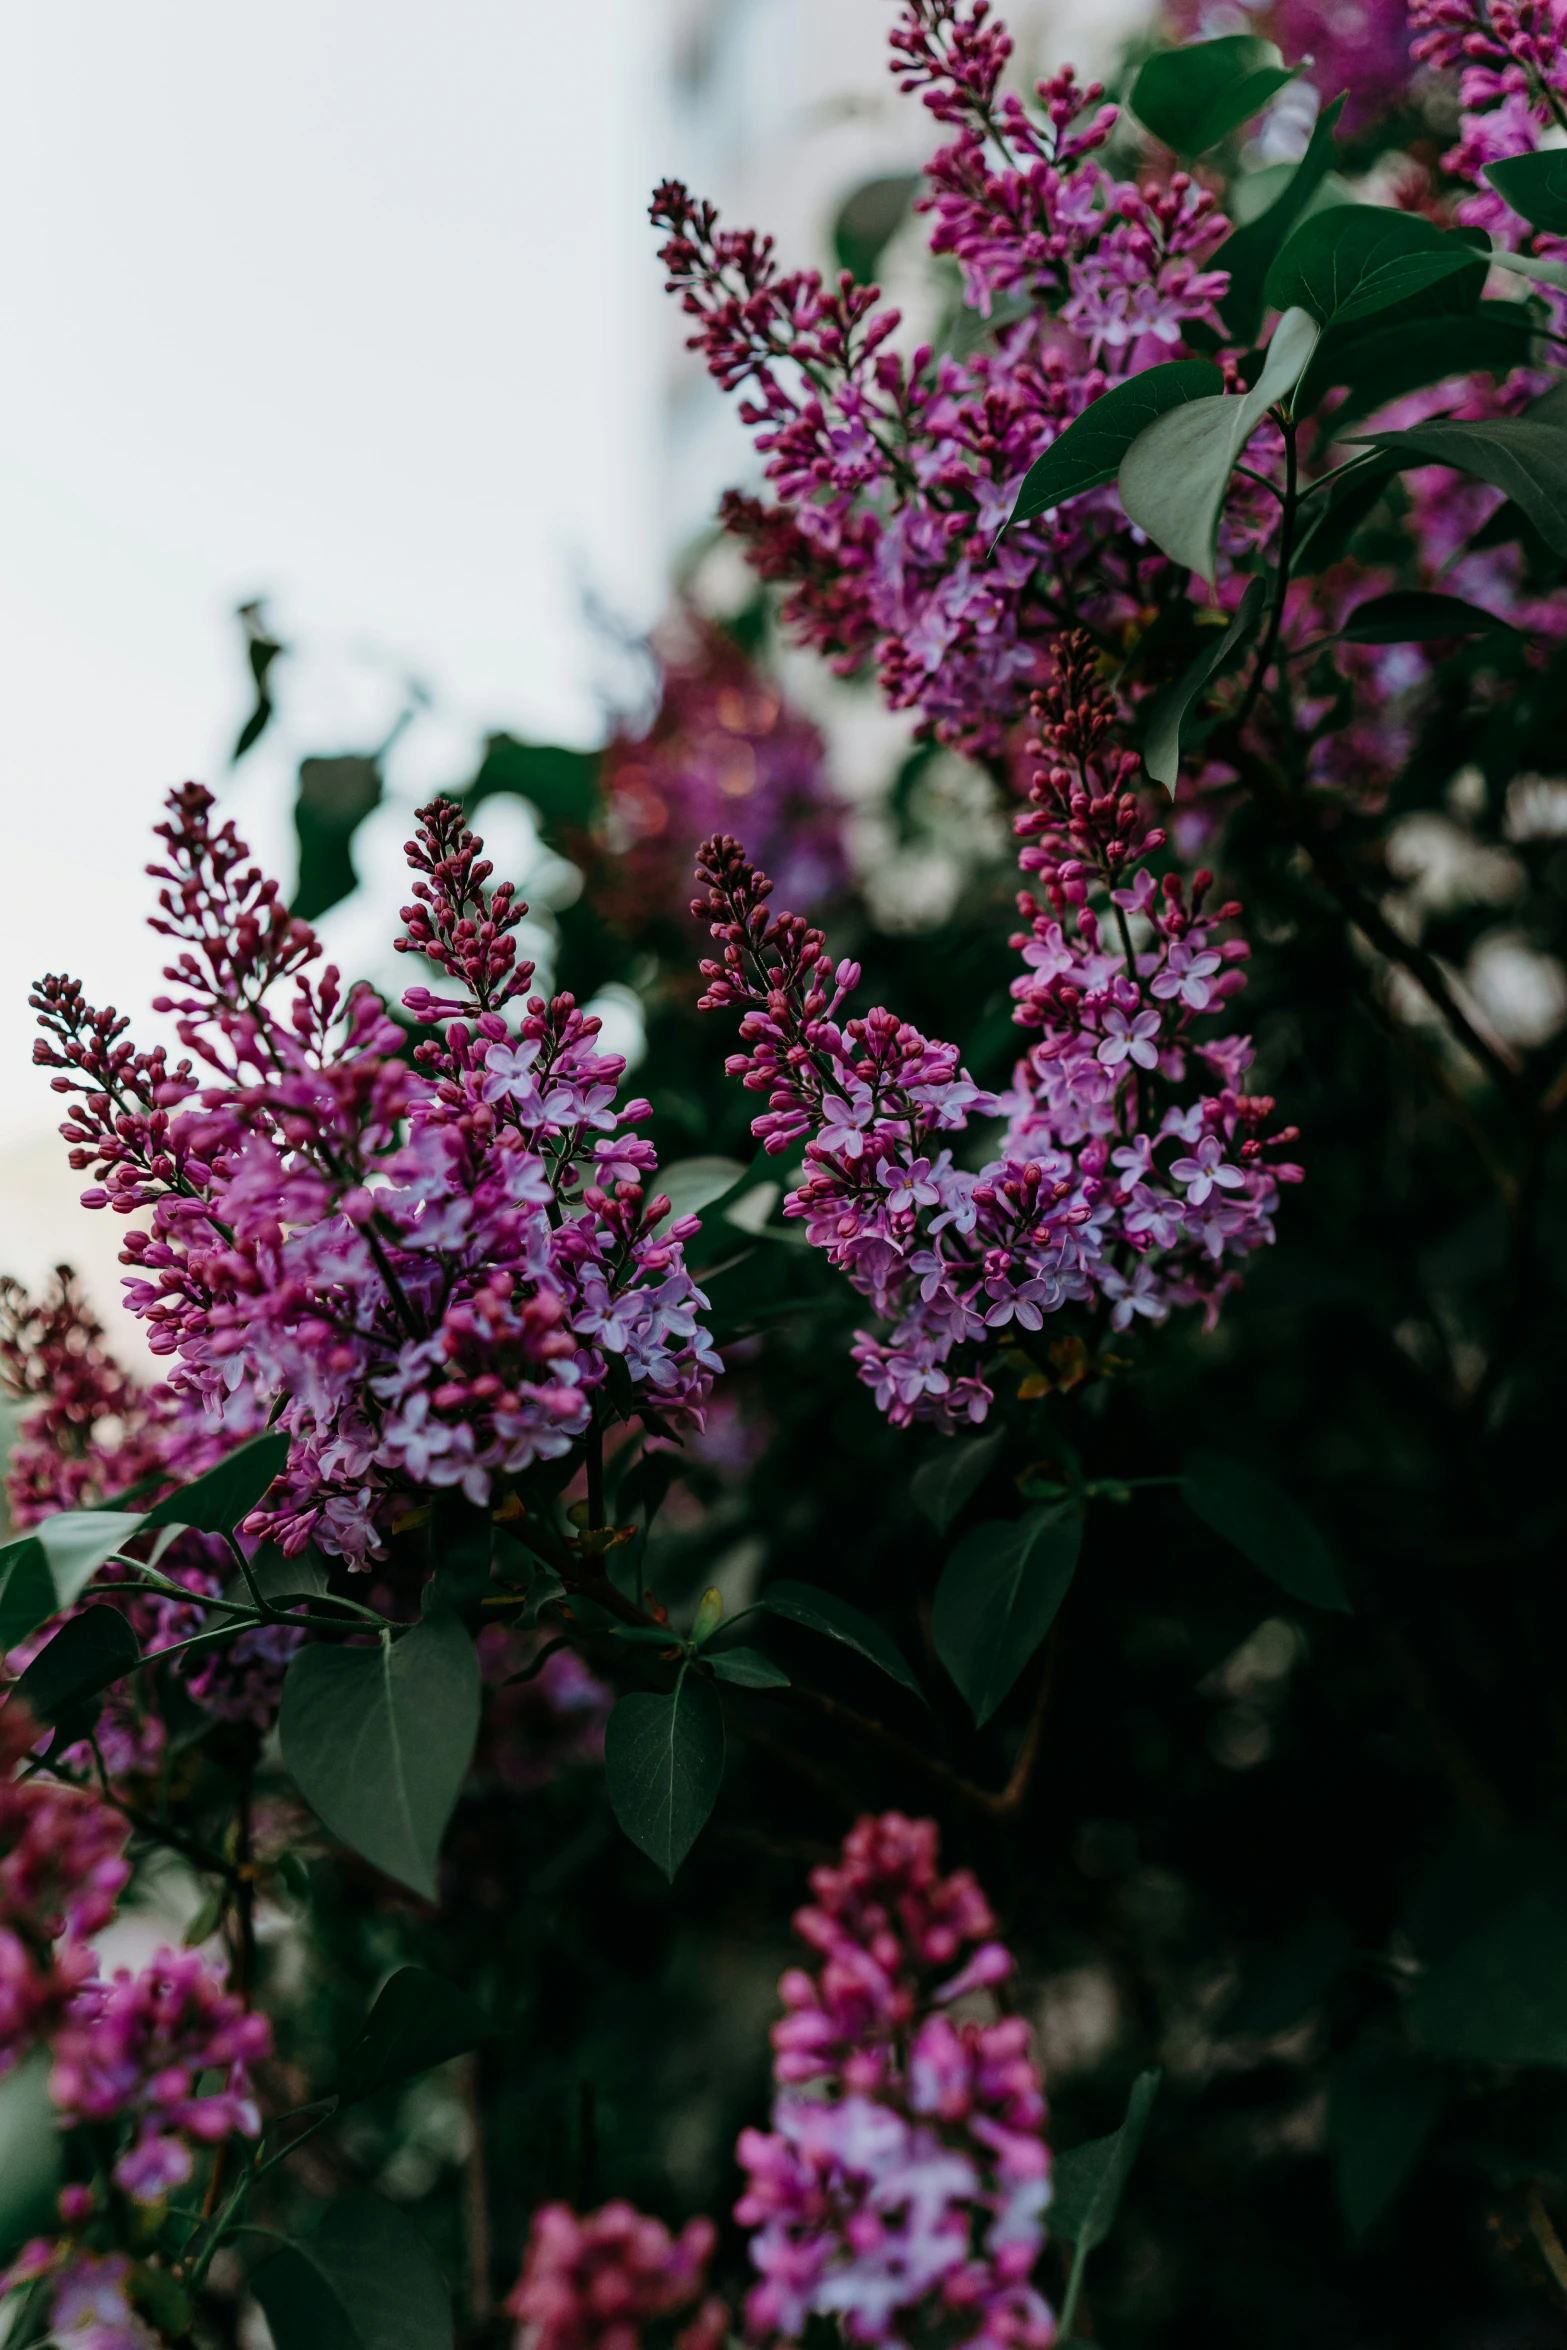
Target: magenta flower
pixel 1207 1168
pixel 1131 1039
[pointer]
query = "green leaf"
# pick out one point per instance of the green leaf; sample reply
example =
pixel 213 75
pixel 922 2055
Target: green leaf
pixel 1168 717
pixel 84 1657
pixel 378 1741
pixel 998 1596
pixel 31 2151
pixel 334 798
pixel 1535 186
pixel 1415 616
pixel 284 1581
pixel 940 1486
pixel 1248 253
pixel 694 1184
pixel 747 1668
pixel 1292 1975
pixel 1259 1517
pixel 1342 509
pixel 1090 2180
pixel 560 785
pixel 1532 265
pixel 1384 2100
pixel 869 219
pixel 1174 476
pixel 46 1570
pixel 1383 359
pixel 824 1611
pixel 1518 454
pixel 1249 1510
pixel 1191 98
pixel 418 2020
pixel 1354 259
pixel 217 1502
pixel 1090 450
pixel 1501 1996
pixel 664 1763
pixel 363 2280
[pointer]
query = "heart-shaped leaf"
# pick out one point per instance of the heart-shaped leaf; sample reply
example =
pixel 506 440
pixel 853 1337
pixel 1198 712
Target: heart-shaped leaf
pixel 46 1570
pixel 1519 454
pixel 1535 186
pixel 418 2020
pixel 664 1763
pixel 824 1611
pixel 1268 1528
pixel 1174 476
pixel 1416 616
pixel 940 1486
pixel 216 1503
pixel 998 1596
pixel 1191 98
pixel 1354 259
pixel 89 1652
pixel 1248 253
pixel 363 2280
pixel 1090 450
pixel 379 1740
pixel 1167 720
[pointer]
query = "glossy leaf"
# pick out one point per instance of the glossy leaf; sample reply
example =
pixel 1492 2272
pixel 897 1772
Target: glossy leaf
pixel 998 1596
pixel 1090 2180
pixel 747 1668
pixel 824 1611
pixel 49 1568
pixel 1265 1525
pixel 418 2020
pixel 363 2280
pixel 664 1763
pixel 1248 252
pixel 1090 450
pixel 1174 477
pixel 217 1502
pixel 1501 1996
pixel 1519 454
pixel 89 1652
pixel 940 1486
pixel 1355 259
pixel 1535 186
pixel 1173 708
pixel 1384 2101
pixel 1416 616
pixel 1193 97
pixel 379 1739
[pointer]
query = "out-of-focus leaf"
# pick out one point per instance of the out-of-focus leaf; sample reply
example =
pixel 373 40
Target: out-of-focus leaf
pixel 1341 510
pixel 1168 718
pixel 824 1611
pixel 217 1502
pixel 378 1741
pixel 869 219
pixel 1384 2100
pixel 47 1569
pixel 1193 97
pixel 363 2280
pixel 1415 616
pixel 1248 252
pixel 1501 1996
pixel 261 650
pixel 940 1486
pixel 1294 1975
pixel 664 1764
pixel 1090 450
pixel 998 1596
pixel 418 2020
pixel 1535 186
pixel 1090 2180
pixel 1259 1517
pixel 333 799
pixel 1519 454
pixel 747 1668
pixel 561 786
pixel 1354 259
pixel 89 1652
pixel 31 2151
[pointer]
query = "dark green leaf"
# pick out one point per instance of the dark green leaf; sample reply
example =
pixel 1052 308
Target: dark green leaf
pixel 1249 1510
pixel 1518 454
pixel 1384 2100
pixel 418 2020
pixel 49 1568
pixel 664 1763
pixel 1535 186
pixel 824 1611
pixel 1381 359
pixel 261 650
pixel 1090 2180
pixel 1292 1976
pixel 1354 259
pixel 747 1668
pixel 998 1596
pixel 283 1581
pixel 1191 98
pixel 1413 616
pixel 1248 253
pixel 940 1486
pixel 1341 511
pixel 31 2150
pixel 334 798
pixel 1168 717
pixel 84 1657
pixel 363 2280
pixel 379 1739
pixel 1090 450
pixel 217 1502
pixel 1501 1996
pixel 868 220
pixel 560 785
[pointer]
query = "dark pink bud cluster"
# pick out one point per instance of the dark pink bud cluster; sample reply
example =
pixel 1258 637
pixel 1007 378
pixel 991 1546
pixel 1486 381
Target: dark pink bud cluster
pixel 62 1869
pixel 593 2281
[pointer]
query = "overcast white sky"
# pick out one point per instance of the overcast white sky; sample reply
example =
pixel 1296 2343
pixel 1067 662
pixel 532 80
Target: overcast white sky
pixel 348 302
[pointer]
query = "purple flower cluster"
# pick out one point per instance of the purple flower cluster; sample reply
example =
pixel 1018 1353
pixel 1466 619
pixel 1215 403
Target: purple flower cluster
pixel 1107 1185
pixel 593 2282
pixel 1508 55
pixel 62 1869
pixel 892 477
pixel 903 2183
pixel 426 1270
